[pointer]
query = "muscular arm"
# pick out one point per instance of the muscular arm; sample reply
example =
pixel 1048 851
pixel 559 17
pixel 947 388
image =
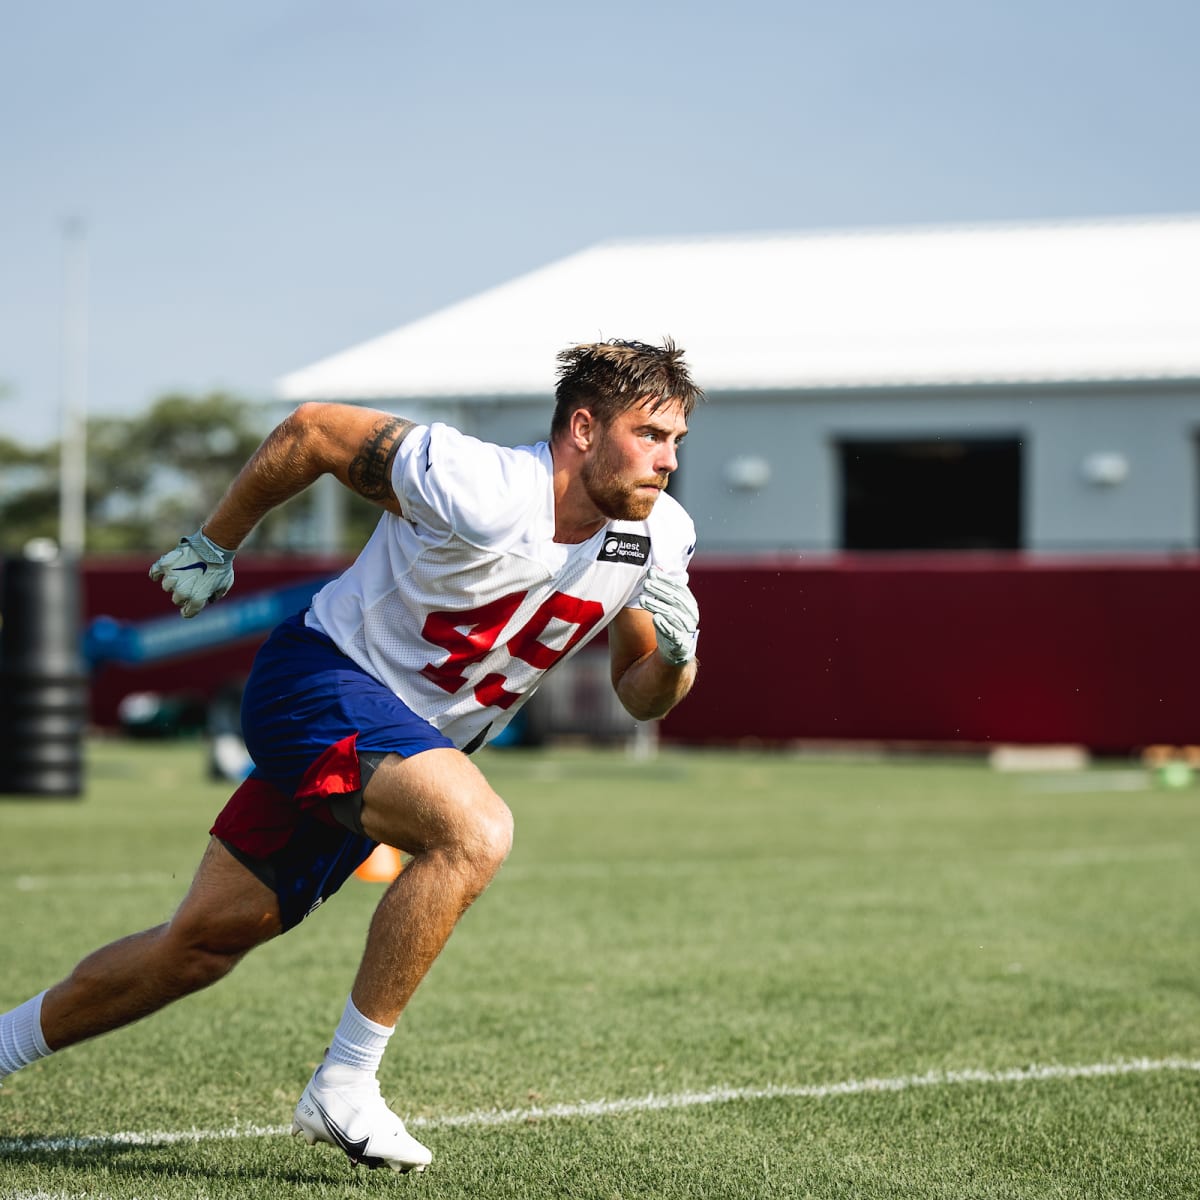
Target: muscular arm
pixel 646 684
pixel 356 445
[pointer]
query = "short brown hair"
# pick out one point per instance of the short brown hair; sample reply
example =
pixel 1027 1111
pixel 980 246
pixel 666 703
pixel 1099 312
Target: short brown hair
pixel 610 377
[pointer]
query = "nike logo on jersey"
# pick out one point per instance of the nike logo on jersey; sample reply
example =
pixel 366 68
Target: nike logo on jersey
pixel 632 548
pixel 478 739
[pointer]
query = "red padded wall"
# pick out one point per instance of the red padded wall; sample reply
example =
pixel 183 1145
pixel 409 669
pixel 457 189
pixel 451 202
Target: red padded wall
pixel 905 648
pixel 952 648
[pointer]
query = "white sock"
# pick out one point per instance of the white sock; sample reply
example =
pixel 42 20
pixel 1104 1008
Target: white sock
pixel 21 1041
pixel 359 1042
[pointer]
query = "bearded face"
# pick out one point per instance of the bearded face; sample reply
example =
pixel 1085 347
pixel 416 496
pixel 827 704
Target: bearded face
pixel 620 486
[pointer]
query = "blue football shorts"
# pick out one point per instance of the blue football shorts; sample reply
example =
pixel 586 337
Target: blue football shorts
pixel 316 726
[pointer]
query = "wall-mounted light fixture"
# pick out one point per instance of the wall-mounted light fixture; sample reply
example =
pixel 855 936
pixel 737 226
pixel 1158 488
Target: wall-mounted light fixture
pixel 1105 468
pixel 747 473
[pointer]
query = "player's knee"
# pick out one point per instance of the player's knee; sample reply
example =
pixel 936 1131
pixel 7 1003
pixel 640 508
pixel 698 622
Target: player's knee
pixel 487 837
pixel 499 833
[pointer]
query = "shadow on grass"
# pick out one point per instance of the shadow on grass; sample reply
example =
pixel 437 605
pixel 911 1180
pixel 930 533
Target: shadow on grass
pixel 219 1166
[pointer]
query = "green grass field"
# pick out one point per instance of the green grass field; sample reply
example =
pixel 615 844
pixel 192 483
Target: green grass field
pixel 707 975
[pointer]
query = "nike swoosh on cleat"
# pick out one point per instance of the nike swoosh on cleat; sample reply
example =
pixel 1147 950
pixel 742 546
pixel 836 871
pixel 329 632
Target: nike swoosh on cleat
pixel 354 1150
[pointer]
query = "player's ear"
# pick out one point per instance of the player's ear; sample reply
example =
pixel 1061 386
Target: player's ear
pixel 582 429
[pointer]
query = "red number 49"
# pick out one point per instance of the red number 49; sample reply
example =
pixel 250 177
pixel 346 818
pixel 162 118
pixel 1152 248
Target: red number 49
pixel 482 627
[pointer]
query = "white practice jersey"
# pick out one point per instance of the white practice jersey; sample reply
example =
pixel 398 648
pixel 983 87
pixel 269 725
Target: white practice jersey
pixel 463 603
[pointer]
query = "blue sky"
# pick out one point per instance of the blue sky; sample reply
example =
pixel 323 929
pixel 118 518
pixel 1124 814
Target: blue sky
pixel 266 182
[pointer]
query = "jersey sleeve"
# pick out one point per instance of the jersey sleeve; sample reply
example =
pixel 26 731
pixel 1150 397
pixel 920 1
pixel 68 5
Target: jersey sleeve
pixel 451 483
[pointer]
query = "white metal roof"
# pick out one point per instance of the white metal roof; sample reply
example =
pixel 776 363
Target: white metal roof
pixel 934 306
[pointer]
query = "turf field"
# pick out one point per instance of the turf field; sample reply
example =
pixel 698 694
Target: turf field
pixel 707 975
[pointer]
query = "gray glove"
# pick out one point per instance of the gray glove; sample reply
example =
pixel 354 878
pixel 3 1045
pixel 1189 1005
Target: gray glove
pixel 195 573
pixel 676 616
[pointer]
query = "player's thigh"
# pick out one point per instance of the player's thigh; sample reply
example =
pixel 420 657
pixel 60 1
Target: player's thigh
pixel 227 910
pixel 438 798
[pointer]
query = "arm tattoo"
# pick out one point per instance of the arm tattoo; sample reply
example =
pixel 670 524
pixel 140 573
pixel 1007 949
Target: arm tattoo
pixel 371 468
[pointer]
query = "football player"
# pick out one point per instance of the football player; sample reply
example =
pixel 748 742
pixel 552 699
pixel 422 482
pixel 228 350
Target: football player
pixel 488 566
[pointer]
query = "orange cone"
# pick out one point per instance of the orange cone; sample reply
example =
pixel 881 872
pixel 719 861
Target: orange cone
pixel 382 866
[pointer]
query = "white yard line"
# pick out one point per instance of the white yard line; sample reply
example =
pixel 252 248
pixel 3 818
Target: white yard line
pixel 1088 781
pixel 650 1103
pixel 611 868
pixel 1087 856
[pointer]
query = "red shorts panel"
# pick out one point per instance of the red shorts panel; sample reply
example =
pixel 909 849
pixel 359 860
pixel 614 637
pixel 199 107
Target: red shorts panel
pixel 259 818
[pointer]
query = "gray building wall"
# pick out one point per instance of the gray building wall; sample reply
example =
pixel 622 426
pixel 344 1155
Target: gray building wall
pixel 1152 426
pixel 1155 508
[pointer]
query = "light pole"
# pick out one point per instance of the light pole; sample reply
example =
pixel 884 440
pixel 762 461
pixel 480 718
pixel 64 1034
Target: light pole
pixel 72 501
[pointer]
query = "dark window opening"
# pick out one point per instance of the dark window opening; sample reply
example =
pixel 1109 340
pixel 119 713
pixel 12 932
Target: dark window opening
pixel 675 483
pixel 931 494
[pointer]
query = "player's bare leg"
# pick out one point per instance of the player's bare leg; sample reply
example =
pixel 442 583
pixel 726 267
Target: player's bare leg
pixel 226 913
pixel 437 807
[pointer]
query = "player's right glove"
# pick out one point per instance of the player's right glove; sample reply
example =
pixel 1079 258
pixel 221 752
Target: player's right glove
pixel 195 573
pixel 676 616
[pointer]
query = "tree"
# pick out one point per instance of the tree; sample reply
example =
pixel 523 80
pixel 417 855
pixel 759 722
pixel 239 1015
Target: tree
pixel 155 476
pixel 28 494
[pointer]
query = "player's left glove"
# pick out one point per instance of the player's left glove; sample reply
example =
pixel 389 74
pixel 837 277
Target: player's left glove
pixel 676 616
pixel 195 573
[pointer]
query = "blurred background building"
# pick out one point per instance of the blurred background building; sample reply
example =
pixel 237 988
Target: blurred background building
pixel 1008 387
pixel 946 482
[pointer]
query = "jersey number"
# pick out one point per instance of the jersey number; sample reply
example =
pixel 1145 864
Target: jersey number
pixel 483 626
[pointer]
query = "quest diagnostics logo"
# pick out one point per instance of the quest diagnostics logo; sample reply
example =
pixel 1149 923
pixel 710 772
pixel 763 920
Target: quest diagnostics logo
pixel 632 548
